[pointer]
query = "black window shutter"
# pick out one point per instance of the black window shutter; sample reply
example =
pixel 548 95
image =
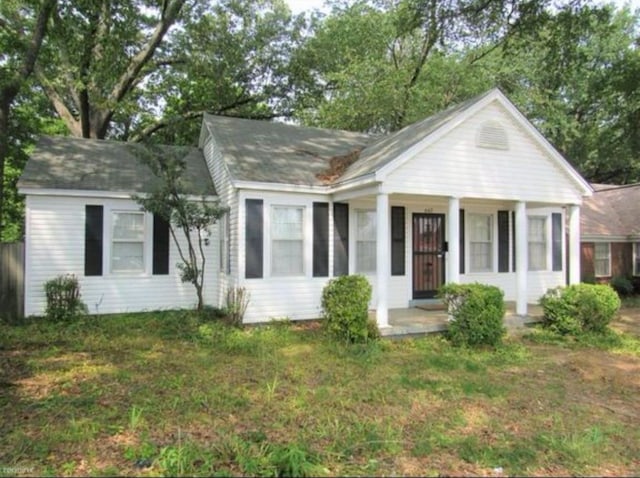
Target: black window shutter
pixel 397 241
pixel 160 245
pixel 340 239
pixel 93 227
pixel 503 241
pixel 461 230
pixel 253 239
pixel 556 236
pixel 320 239
pixel 513 241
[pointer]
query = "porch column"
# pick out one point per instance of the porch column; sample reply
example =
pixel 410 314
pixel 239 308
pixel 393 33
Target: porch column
pixel 453 224
pixel 522 258
pixel 383 258
pixel 574 244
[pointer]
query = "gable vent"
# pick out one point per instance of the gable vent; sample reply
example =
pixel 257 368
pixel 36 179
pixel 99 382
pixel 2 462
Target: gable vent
pixel 492 135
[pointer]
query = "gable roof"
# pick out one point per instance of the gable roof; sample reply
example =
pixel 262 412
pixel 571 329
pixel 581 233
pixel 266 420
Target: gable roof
pixel 612 211
pixel 64 162
pixel 270 152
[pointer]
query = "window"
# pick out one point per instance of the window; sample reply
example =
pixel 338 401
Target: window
pixel 480 242
pixel 537 243
pixel 225 244
pixel 636 259
pixel 602 259
pixel 365 241
pixel 127 242
pixel 287 257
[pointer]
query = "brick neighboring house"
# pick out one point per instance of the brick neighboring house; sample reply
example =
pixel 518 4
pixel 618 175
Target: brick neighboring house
pixel 610 233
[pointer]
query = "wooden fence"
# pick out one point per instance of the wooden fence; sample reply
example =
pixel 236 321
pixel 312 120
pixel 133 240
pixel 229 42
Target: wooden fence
pixel 12 280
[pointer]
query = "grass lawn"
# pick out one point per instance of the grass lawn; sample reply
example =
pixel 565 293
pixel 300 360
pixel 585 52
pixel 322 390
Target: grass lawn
pixel 160 394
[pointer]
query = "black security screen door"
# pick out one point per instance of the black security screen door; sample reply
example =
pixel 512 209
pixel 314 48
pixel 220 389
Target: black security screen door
pixel 428 254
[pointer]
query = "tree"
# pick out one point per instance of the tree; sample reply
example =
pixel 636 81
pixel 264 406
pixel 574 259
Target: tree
pixel 232 59
pixel 378 66
pixel 172 201
pixel 23 26
pixel 98 54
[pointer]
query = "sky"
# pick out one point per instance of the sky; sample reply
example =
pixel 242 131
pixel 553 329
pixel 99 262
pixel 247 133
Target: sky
pixel 298 6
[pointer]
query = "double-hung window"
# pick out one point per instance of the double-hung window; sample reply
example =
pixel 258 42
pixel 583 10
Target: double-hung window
pixel 365 241
pixel 287 241
pixel 481 242
pixel 537 243
pixel 127 242
pixel 602 259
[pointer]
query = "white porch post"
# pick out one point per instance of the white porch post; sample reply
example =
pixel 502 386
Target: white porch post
pixel 383 258
pixel 574 244
pixel 522 258
pixel 453 223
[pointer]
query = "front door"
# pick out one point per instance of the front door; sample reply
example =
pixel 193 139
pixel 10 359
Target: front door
pixel 428 254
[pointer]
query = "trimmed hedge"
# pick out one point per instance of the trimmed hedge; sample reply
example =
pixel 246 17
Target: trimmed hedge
pixel 345 304
pixel 477 312
pixel 579 308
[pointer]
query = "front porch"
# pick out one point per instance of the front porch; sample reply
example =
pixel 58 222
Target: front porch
pixel 416 320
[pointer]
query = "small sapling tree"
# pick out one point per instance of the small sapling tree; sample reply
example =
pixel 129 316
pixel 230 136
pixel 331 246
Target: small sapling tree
pixel 172 199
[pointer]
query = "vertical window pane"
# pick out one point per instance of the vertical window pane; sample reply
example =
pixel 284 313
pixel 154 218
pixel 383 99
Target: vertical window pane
pixel 537 235
pixel 365 241
pixel 127 242
pixel 480 242
pixel 602 263
pixel 287 244
pixel 636 268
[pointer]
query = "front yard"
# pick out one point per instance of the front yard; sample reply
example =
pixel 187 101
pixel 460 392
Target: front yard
pixel 160 394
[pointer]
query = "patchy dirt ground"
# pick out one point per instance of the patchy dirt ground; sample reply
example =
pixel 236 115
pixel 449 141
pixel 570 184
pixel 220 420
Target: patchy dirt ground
pixel 628 320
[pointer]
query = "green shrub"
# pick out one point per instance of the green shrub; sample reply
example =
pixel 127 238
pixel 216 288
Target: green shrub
pixel 63 299
pixel 622 285
pixel 477 312
pixel 345 304
pixel 579 308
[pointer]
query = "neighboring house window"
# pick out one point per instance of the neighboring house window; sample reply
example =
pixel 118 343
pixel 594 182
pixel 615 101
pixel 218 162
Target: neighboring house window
pixel 287 243
pixel 365 241
pixel 537 243
pixel 127 242
pixel 602 259
pixel 636 259
pixel 480 242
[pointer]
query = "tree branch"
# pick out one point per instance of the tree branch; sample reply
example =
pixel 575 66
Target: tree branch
pixel 170 11
pixel 59 104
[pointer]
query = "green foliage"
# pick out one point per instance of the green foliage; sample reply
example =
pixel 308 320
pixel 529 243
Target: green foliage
pixel 477 311
pixel 63 299
pixel 622 285
pixel 345 304
pixel 579 308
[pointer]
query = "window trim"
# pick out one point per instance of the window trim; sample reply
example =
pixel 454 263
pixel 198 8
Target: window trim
pixel 595 258
pixel 145 242
pixel 545 218
pixel 357 241
pixel 492 241
pixel 303 229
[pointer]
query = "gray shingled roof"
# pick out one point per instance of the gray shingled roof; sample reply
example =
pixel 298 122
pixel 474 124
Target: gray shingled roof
pixel 611 211
pixel 271 152
pixel 281 153
pixel 62 162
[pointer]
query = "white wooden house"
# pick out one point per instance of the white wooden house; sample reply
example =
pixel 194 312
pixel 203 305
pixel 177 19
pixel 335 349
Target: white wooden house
pixel 472 194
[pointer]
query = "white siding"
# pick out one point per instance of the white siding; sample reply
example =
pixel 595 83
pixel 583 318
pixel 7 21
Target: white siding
pixel 228 198
pixel 455 166
pixel 55 245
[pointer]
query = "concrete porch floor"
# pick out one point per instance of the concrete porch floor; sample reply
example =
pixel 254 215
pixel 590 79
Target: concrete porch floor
pixel 413 321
